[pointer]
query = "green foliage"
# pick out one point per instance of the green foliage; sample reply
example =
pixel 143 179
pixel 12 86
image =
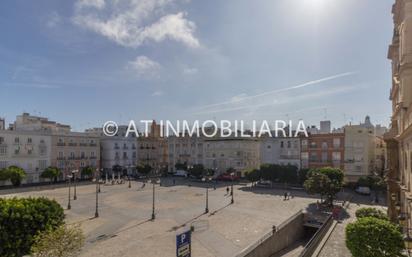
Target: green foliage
pixel 15 174
pixel 65 241
pixel 302 176
pixel 3 174
pixel 253 175
pixel 371 212
pixel 51 173
pixel 210 172
pixel 279 173
pixel 181 166
pixel 87 172
pixel 324 181
pixel 373 182
pixel 372 237
pixel 144 169
pixel 23 218
pixel 198 170
pixel 230 170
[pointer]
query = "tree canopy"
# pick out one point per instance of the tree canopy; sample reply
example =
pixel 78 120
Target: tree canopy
pixel 324 181
pixel 51 173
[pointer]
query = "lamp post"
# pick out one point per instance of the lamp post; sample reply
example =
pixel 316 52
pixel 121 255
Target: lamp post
pixel 207 200
pixel 68 205
pixel 232 201
pixel 96 214
pixel 74 172
pixel 153 203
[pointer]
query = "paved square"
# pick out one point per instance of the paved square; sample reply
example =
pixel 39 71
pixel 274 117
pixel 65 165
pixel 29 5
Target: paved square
pixel 124 228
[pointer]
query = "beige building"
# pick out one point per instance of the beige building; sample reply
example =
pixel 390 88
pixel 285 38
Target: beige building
pixel 359 152
pixel 74 151
pixel 399 138
pixel 239 153
pixel 185 149
pixel 29 150
pixel 152 149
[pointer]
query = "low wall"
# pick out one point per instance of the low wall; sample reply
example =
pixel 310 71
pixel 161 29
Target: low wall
pixel 283 236
pixel 311 246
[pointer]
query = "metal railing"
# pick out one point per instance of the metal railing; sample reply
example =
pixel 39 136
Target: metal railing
pixel 313 243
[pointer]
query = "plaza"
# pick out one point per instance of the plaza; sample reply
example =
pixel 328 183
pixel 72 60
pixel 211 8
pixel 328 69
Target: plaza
pixel 124 226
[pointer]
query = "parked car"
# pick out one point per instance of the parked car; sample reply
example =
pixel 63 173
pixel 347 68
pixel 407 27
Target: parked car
pixel 180 173
pixel 227 177
pixel 363 190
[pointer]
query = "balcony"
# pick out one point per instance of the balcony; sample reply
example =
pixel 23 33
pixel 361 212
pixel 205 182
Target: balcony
pixel 60 158
pixel 116 148
pixel 125 148
pixel 93 157
pixel 61 144
pixel 82 144
pixel 93 144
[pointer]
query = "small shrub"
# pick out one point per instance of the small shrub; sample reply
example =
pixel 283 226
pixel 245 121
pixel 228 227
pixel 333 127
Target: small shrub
pixel 65 241
pixel 370 212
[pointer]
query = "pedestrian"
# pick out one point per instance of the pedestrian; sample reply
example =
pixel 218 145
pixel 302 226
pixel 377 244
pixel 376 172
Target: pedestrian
pixel 227 190
pixel 144 184
pixel 285 195
pixel 174 182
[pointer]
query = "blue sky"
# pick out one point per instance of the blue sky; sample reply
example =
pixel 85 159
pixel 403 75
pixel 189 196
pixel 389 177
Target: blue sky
pixel 85 62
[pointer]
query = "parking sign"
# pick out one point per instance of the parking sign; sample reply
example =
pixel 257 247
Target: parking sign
pixel 183 244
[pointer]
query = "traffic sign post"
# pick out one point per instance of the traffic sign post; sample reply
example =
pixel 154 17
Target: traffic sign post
pixel 184 244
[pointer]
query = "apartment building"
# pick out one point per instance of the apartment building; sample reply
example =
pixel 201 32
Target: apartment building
pixel 239 153
pixel 360 145
pixel 153 149
pixel 280 150
pixel 118 152
pixel 29 150
pixel 323 150
pixel 74 150
pixel 185 149
pixel 399 137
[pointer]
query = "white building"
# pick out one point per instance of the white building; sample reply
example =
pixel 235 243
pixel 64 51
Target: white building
pixel 185 149
pixel 29 150
pixel 239 153
pixel 280 150
pixel 118 150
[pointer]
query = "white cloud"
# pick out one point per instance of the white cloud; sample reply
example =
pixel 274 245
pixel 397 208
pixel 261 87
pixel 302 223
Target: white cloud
pixel 190 71
pixel 157 93
pixel 144 66
pixel 131 23
pixel 99 4
pixel 53 20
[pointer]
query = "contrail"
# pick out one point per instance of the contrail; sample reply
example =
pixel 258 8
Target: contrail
pixel 313 82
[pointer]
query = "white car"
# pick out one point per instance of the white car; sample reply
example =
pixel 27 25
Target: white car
pixel 363 190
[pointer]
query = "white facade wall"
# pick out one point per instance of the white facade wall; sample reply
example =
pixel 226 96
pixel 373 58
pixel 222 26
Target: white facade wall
pixel 28 150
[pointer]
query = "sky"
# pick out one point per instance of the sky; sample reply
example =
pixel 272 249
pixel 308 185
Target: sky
pixel 85 62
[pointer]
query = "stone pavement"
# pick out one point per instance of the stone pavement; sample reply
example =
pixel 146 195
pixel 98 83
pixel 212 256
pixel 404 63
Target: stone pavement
pixel 335 245
pixel 123 228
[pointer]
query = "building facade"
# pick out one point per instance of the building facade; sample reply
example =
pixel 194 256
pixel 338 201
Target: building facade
pixel 241 154
pixel 360 155
pixel 29 150
pixel 280 150
pixel 399 137
pixel 185 149
pixel 323 150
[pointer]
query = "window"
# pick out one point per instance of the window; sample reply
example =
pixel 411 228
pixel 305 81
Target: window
pixel 336 156
pixel 3 150
pixel 3 164
pixel 1 140
pixel 324 145
pixel 324 156
pixel 29 140
pixel 42 164
pixel 336 142
pixel 16 140
pixel 281 144
pixel 289 144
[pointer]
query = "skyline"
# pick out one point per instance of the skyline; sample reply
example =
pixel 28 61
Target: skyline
pixel 86 62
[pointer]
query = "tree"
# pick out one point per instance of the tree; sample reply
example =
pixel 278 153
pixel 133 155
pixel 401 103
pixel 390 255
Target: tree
pixel 210 172
pixel 51 173
pixel 181 166
pixel 87 172
pixel 65 241
pixel 3 174
pixel 15 174
pixel 198 170
pixel 144 169
pixel 253 175
pixel 23 218
pixel 370 212
pixel 372 237
pixel 230 170
pixel 324 181
pixel 302 176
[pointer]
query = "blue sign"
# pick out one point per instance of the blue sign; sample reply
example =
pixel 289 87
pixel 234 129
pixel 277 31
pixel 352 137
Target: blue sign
pixel 183 244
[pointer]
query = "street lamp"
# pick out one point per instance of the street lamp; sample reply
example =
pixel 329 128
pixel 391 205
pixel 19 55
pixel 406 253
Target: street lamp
pixel 153 203
pixel 231 193
pixel 207 200
pixel 68 205
pixel 74 172
pixel 96 214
